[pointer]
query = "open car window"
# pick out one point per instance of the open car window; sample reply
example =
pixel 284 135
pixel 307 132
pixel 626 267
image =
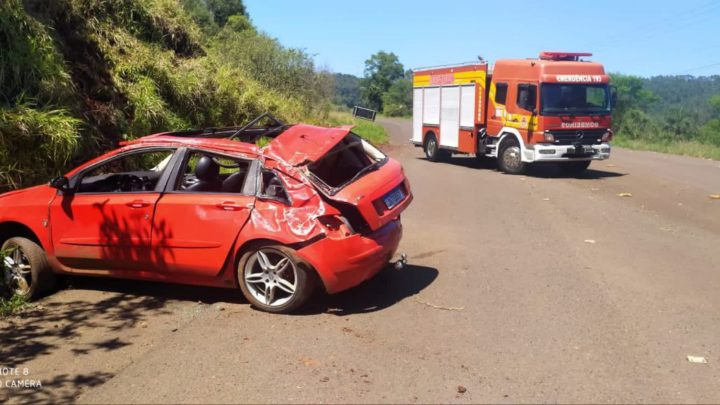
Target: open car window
pixel 131 173
pixel 206 172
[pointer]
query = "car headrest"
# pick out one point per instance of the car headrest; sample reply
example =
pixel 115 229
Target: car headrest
pixel 207 169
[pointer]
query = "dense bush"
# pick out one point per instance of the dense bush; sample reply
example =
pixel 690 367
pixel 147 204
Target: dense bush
pixel 686 110
pixel 76 76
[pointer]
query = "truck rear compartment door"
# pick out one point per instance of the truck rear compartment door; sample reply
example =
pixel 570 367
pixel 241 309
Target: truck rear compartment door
pixel 449 116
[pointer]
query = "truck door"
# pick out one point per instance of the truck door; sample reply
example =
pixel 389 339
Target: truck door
pixel 498 97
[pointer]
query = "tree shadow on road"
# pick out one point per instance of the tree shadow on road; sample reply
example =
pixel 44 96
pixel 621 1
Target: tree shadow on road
pixel 538 170
pixel 386 289
pixel 49 326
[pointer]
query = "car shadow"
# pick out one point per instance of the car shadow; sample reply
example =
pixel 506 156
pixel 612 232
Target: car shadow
pixel 386 289
pixel 538 170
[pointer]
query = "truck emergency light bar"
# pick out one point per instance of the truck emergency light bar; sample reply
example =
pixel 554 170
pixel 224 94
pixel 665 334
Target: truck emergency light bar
pixel 568 56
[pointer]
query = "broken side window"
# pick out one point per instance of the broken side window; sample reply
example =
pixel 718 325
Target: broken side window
pixel 272 187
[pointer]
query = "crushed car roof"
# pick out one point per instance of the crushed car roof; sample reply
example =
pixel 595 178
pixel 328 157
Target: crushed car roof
pixel 295 145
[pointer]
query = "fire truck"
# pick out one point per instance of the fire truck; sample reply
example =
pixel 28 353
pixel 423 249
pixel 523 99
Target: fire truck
pixel 555 108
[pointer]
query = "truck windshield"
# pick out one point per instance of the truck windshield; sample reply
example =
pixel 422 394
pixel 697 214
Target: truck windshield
pixel 574 99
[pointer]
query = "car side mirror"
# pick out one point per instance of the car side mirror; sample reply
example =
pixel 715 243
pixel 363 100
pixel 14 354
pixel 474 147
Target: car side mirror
pixel 61 183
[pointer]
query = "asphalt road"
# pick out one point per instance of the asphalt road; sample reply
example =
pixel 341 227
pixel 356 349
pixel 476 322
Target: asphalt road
pixel 532 288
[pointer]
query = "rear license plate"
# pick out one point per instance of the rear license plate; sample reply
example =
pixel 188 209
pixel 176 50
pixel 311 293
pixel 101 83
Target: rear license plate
pixel 393 198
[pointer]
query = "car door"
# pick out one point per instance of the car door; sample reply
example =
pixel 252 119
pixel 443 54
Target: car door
pixel 106 222
pixel 198 218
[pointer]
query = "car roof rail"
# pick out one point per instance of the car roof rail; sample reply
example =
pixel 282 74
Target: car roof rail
pixel 233 132
pixel 277 122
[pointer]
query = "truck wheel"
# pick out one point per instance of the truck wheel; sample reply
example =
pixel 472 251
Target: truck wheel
pixel 274 279
pixel 432 149
pixel 510 158
pixel 574 168
pixel 26 271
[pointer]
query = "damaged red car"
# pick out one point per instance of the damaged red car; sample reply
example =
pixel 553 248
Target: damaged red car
pixel 315 207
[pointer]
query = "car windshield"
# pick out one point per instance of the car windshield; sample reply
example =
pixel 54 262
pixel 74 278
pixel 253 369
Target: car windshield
pixel 347 161
pixel 574 99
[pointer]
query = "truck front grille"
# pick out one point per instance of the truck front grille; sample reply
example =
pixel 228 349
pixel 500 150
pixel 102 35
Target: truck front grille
pixel 584 137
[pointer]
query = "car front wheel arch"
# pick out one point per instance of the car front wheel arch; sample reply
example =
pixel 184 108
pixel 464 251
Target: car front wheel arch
pixel 12 229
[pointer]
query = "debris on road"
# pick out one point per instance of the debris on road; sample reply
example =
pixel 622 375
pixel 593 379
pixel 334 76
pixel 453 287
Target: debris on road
pixel 461 389
pixel 715 196
pixel 611 165
pixel 697 359
pixel 439 307
pixel 546 199
pixel 591 241
pixel 624 194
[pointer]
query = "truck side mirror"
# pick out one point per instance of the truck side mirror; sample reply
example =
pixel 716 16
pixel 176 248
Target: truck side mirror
pixel 613 97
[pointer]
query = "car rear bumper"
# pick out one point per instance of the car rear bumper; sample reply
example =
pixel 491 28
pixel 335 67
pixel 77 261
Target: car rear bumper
pixel 563 153
pixel 346 262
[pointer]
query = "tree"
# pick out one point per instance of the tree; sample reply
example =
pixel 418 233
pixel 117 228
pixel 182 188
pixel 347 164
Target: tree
pixel 397 101
pixel 381 70
pixel 223 9
pixel 346 89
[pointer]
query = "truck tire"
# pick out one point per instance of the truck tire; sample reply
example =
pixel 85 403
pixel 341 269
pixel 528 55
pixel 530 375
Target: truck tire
pixel 26 271
pixel 432 149
pixel 510 158
pixel 574 168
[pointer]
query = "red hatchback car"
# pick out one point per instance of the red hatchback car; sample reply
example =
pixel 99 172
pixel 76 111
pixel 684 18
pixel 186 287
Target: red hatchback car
pixel 209 207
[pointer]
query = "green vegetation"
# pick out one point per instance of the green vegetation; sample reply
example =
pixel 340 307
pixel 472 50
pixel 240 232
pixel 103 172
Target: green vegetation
pixel 12 305
pixel 77 76
pixel 372 131
pixel 671 114
pixel 346 90
pixel 386 87
pixel 9 303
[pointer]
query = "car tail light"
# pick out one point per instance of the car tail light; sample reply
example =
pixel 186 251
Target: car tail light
pixel 336 225
pixel 607 136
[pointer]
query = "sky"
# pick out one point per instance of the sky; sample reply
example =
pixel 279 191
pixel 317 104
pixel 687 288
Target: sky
pixel 644 38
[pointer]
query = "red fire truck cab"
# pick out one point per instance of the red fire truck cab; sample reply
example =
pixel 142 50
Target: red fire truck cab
pixel 552 109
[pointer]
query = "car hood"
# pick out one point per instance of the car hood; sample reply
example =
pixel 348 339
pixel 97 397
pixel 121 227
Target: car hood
pixel 303 144
pixel 30 190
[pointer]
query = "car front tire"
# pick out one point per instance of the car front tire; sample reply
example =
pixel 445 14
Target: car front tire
pixel 26 271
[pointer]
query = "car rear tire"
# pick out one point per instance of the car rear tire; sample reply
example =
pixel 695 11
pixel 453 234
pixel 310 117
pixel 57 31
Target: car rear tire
pixel 574 168
pixel 274 279
pixel 510 157
pixel 432 149
pixel 26 271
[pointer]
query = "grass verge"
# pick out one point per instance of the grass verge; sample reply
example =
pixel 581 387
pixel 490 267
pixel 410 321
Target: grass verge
pixel 369 130
pixel 12 305
pixel 686 148
pixel 9 303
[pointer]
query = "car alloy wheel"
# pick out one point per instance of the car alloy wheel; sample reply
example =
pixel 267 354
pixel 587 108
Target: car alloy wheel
pixel 271 277
pixel 17 271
